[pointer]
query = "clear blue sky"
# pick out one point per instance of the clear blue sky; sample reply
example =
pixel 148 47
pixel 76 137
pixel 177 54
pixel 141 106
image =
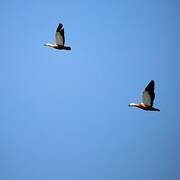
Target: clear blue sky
pixel 64 115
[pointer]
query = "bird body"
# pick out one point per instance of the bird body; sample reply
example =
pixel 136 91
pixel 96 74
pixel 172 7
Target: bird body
pixel 143 106
pixel 60 39
pixel 148 99
pixel 57 46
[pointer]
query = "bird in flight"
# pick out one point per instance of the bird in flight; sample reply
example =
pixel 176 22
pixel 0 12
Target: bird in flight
pixel 60 39
pixel 147 98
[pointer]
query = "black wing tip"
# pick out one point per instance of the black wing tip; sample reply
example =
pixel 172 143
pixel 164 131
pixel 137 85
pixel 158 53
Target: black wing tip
pixel 150 86
pixel 60 26
pixel 152 82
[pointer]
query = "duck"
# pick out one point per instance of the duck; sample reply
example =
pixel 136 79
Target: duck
pixel 148 97
pixel 60 39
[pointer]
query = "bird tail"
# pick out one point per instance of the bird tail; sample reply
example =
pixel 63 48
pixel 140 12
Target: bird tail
pixel 67 47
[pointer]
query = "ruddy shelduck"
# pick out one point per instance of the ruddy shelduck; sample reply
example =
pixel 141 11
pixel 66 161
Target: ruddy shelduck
pixel 147 98
pixel 60 39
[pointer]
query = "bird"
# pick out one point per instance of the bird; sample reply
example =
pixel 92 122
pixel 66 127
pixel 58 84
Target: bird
pixel 60 39
pixel 147 98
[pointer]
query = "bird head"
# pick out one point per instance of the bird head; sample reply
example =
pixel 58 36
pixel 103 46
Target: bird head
pixel 132 105
pixel 48 44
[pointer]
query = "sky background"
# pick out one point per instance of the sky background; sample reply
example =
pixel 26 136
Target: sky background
pixel 64 115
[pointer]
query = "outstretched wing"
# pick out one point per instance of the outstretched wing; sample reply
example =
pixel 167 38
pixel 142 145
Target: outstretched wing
pixel 60 35
pixel 148 94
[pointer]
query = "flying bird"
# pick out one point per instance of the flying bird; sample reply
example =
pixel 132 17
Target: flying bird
pixel 60 39
pixel 147 98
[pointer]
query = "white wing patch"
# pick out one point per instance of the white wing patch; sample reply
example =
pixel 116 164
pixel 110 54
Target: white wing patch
pixel 146 98
pixel 59 39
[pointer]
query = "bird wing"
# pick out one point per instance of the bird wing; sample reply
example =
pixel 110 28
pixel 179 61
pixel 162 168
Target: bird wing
pixel 148 94
pixel 60 35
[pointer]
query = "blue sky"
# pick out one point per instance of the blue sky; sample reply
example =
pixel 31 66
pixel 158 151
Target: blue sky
pixel 64 114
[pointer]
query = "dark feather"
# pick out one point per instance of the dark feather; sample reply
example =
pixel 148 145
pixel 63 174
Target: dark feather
pixel 150 89
pixel 59 27
pixel 62 34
